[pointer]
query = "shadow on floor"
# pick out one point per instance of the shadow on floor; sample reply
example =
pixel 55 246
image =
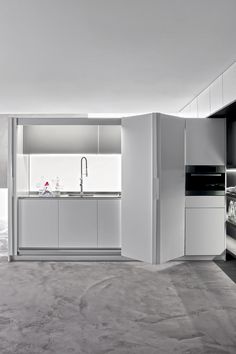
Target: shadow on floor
pixel 228 267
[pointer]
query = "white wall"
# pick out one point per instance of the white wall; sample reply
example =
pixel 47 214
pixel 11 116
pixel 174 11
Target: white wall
pixel 3 151
pixel 3 210
pixel 104 171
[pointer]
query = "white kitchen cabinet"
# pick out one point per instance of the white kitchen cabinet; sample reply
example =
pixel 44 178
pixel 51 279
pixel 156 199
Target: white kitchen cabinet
pixel 153 180
pixel 205 231
pixel 60 139
pixel 216 94
pixel 194 108
pixel 38 223
pixel 77 223
pixel 204 104
pixel 186 112
pixel 205 201
pixel 229 85
pixel 109 139
pixel 205 141
pixel 109 223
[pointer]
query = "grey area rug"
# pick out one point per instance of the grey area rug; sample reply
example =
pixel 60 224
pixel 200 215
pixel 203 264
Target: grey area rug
pixel 116 308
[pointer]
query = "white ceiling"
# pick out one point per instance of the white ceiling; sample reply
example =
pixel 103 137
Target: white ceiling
pixel 74 56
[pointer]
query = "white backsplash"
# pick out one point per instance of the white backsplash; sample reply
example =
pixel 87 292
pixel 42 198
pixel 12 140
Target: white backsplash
pixel 104 171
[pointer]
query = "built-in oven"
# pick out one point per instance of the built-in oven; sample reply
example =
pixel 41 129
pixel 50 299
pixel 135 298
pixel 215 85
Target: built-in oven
pixel 205 180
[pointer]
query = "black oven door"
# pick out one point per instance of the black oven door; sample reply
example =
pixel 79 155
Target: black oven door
pixel 205 180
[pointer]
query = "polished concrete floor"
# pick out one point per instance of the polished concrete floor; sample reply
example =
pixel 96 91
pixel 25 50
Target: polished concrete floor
pixel 96 308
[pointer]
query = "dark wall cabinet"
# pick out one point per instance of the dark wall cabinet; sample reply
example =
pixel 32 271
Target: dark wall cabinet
pixel 231 142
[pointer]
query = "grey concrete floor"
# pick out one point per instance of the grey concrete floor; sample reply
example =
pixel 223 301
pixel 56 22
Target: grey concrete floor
pixel 117 308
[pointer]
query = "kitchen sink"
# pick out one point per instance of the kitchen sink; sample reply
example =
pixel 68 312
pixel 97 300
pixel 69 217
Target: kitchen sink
pixel 91 195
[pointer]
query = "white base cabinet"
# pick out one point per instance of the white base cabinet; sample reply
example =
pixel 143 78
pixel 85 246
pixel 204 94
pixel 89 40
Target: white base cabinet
pixel 69 223
pixel 205 234
pixel 38 223
pixel 109 224
pixel 78 223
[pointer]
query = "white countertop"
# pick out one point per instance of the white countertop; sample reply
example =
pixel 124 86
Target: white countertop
pixel 74 195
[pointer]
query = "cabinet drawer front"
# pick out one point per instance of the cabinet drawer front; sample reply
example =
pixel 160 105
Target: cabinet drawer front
pixel 205 202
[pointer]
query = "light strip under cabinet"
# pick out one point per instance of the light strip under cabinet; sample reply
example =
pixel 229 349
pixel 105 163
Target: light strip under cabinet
pixel 231 170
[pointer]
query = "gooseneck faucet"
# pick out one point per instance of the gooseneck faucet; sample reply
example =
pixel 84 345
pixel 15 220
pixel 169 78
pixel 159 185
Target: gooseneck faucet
pixel 81 172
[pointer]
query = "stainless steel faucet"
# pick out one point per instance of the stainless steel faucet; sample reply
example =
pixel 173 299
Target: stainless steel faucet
pixel 81 172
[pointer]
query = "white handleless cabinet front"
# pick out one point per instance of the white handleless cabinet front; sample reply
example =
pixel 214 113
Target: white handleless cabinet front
pixel 205 141
pixel 109 223
pixel 205 231
pixel 229 85
pixel 38 223
pixel 78 224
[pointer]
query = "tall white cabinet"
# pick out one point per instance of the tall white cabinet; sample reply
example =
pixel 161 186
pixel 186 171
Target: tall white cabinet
pixel 152 184
pixel 205 215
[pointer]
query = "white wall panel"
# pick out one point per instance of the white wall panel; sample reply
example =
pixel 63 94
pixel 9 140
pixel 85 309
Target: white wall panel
pixel 216 94
pixel 204 104
pixel 3 151
pixel 229 85
pixel 194 108
pixel 104 171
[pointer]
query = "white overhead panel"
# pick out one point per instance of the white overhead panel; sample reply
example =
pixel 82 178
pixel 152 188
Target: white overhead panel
pixel 74 56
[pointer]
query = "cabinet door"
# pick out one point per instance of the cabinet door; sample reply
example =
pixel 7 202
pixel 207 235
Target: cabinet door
pixel 204 104
pixel 172 187
pixel 229 85
pixel 137 213
pixel 186 112
pixel 109 223
pixel 216 94
pixel 109 139
pixel 38 223
pixel 205 231
pixel 60 139
pixel 205 141
pixel 77 223
pixel 194 108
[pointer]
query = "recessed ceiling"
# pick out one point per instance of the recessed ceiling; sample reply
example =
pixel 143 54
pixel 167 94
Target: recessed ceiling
pixel 73 56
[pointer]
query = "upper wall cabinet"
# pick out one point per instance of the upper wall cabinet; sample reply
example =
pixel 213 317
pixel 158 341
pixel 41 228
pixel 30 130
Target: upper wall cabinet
pixel 71 139
pixel 109 139
pixel 204 104
pixel 60 139
pixel 216 94
pixel 205 141
pixel 191 110
pixel 221 92
pixel 186 112
pixel 194 109
pixel 229 85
